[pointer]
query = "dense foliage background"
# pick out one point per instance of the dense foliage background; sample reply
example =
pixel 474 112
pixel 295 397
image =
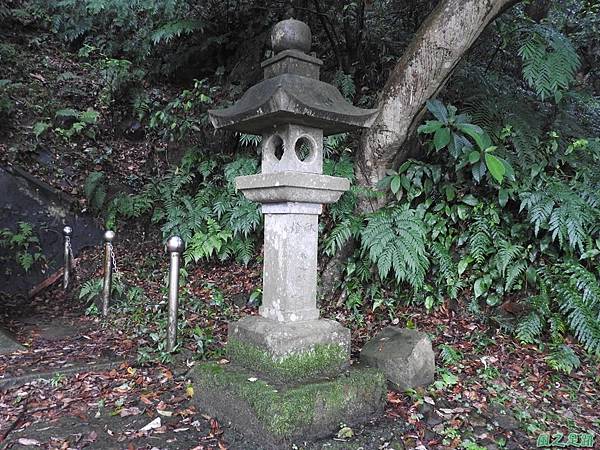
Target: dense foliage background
pixel 497 210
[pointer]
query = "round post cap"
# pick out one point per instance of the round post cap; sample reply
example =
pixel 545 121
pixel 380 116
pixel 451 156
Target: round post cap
pixel 291 34
pixel 67 231
pixel 175 245
pixel 109 235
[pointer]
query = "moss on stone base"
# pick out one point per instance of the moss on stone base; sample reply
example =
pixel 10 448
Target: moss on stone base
pixel 323 360
pixel 309 411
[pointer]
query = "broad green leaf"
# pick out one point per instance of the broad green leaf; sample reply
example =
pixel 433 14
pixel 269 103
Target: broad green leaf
pixel 441 138
pixel 462 211
pixel 470 200
pixel 495 167
pixel 438 109
pixel 450 192
pixel 40 128
pixel 478 171
pixel 395 184
pixel 462 266
pixel 474 156
pixel 67 112
pixel 480 287
pixel 431 126
pixel 503 197
pixel 90 116
pixel 493 300
pixel 480 137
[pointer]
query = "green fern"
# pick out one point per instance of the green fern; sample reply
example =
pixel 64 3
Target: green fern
pixel 345 84
pixel 171 30
pixel 94 190
pixel 560 209
pixel 450 355
pixel 530 328
pixel 394 240
pixel 549 61
pixel 448 270
pixel 578 294
pixel 563 358
pixel 510 261
pixel 480 240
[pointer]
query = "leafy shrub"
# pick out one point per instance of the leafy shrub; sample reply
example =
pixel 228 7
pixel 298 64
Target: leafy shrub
pixel 23 244
pixel 197 201
pixel 509 237
pixel 94 190
pixel 74 123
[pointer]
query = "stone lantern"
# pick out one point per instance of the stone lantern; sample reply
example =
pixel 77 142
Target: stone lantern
pixel 299 362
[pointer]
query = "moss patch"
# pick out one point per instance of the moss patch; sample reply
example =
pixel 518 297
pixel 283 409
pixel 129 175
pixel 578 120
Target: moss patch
pixel 296 411
pixel 324 360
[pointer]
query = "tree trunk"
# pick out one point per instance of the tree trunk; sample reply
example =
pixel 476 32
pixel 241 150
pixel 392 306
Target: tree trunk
pixel 442 40
pixel 447 34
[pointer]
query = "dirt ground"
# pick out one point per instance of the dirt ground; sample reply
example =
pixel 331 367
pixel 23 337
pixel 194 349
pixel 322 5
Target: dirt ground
pixel 126 405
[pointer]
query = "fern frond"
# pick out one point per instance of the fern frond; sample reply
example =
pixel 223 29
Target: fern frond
pixel 529 328
pixel 563 358
pixel 549 61
pixel 395 242
pixel 171 30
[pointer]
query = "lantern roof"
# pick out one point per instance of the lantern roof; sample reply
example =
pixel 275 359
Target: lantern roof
pixel 291 92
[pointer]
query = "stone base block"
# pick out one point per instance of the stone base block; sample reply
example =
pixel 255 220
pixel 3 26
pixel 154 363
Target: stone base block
pixel 405 356
pixel 289 352
pixel 274 417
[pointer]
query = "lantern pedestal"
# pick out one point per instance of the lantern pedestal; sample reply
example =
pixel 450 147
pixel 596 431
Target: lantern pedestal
pixel 275 415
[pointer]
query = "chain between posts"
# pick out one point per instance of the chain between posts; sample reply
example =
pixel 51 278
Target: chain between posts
pixel 114 261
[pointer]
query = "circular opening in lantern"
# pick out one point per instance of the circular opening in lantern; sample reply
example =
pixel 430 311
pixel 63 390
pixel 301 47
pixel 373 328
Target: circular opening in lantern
pixel 305 149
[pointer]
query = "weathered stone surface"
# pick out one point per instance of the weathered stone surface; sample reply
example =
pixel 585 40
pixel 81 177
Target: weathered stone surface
pixel 275 416
pixel 405 356
pixel 291 34
pixel 288 345
pixel 288 186
pixel 288 136
pixel 8 344
pixel 289 353
pixel 295 99
pixel 27 199
pixel 290 267
pixel 292 61
pixel 284 339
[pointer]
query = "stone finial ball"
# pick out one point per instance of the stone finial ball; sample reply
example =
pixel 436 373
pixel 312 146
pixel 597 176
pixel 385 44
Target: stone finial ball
pixel 291 34
pixel 109 235
pixel 175 245
pixel 67 231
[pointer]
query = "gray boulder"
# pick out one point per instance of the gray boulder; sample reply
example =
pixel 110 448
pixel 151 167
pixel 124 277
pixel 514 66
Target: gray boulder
pixel 7 343
pixel 405 356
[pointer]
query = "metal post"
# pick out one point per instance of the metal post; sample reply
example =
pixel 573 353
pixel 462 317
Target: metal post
pixel 175 247
pixel 67 231
pixel 106 288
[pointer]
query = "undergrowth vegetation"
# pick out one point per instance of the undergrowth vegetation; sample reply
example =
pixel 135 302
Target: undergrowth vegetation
pixel 498 210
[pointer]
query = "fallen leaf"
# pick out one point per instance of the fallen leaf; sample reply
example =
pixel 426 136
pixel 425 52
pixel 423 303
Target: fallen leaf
pixel 133 411
pixel 38 77
pixel 164 413
pixel 152 425
pixel 123 388
pixel 28 442
pixel 345 433
pixel 189 391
